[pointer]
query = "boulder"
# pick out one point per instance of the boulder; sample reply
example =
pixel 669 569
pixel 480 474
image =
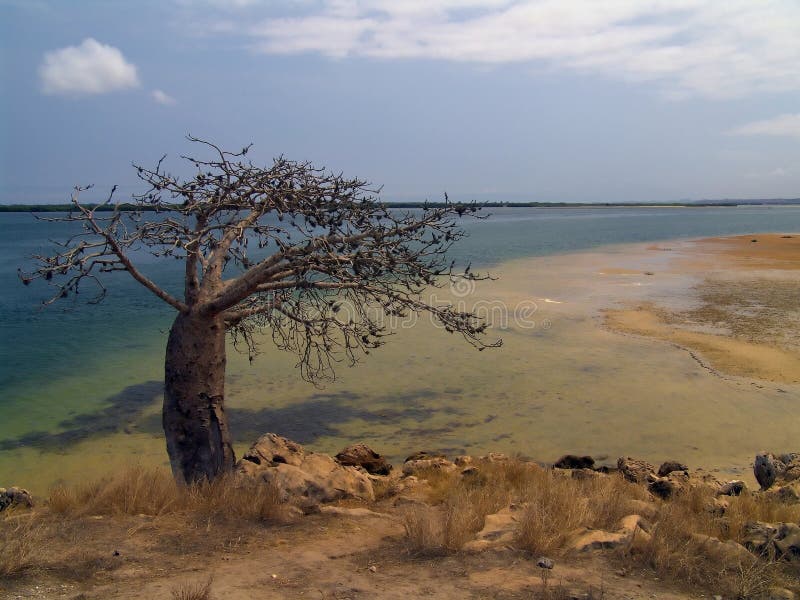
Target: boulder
pixel 732 488
pixel 781 540
pixel 663 487
pixel 573 461
pixel 728 552
pixel 15 496
pixel 300 476
pixel 635 471
pixel 361 455
pixel 771 468
pixel 669 466
pixel 765 470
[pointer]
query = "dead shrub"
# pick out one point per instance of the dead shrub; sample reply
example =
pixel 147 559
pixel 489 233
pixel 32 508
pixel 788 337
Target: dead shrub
pixel 424 527
pixel 189 591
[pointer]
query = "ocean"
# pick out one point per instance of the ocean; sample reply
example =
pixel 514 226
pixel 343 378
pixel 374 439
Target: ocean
pixel 75 374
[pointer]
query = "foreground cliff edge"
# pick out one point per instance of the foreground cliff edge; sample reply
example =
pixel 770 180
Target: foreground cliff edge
pixel 294 523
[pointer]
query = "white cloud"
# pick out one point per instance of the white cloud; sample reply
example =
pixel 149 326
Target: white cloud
pixel 688 47
pixel 162 97
pixel 91 68
pixel 783 125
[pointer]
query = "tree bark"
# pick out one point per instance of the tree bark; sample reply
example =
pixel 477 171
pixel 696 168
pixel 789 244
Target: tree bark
pixel 195 425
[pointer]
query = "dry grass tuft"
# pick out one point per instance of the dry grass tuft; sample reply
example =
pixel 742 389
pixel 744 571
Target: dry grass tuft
pixel 20 540
pixel 153 492
pixel 188 591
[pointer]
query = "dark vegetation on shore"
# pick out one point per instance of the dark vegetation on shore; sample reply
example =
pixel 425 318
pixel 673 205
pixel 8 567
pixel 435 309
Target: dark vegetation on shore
pixel 46 208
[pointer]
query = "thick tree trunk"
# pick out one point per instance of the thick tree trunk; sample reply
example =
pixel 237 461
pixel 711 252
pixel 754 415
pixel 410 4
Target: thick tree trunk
pixel 195 425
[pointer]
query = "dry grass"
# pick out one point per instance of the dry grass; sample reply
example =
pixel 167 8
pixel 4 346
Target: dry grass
pixel 460 505
pixel 77 530
pixel 20 538
pixel 557 505
pixel 153 492
pixel 189 591
pixel 672 552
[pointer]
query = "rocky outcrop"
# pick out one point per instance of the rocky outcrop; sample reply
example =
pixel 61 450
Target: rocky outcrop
pixel 635 471
pixel 778 540
pixel 361 455
pixel 302 477
pixel 15 496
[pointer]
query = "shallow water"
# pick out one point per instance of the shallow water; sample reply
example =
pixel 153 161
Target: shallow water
pixel 82 388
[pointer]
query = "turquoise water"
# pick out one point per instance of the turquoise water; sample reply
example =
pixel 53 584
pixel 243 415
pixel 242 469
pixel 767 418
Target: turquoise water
pixel 70 370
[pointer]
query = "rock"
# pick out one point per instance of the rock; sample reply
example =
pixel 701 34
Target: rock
pixel 788 494
pixel 779 540
pixel 585 540
pixel 597 539
pixel 728 552
pixel 422 461
pixel 787 541
pixel 498 529
pixel 16 497
pixel 361 455
pixel 463 460
pixel 718 507
pixel 663 487
pixel 669 466
pixel 757 536
pixel 648 510
pixel 423 455
pixel 635 471
pixel 771 468
pixel 732 488
pixel 497 457
pixel 572 461
pixel 764 468
pixel 302 477
pixel 545 563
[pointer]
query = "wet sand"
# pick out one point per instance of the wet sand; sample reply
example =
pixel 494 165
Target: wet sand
pixel 602 354
pixel 743 316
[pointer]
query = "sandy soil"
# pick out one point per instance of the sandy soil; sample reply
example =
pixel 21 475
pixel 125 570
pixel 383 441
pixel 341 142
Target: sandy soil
pixel 326 558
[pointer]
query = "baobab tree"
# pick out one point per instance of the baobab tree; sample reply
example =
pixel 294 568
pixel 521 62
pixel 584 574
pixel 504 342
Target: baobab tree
pixel 271 252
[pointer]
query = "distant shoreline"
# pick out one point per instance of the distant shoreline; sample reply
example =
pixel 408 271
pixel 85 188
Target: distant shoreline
pixel 47 208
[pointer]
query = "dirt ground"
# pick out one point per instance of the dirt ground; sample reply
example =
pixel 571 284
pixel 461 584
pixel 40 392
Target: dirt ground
pixel 322 557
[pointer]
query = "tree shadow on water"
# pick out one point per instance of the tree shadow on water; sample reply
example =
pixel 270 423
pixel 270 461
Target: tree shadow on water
pixel 304 422
pixel 122 410
pixel 319 416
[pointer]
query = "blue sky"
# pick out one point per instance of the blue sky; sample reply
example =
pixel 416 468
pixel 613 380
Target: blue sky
pixel 548 100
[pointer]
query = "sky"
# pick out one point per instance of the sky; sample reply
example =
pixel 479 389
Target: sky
pixel 506 100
